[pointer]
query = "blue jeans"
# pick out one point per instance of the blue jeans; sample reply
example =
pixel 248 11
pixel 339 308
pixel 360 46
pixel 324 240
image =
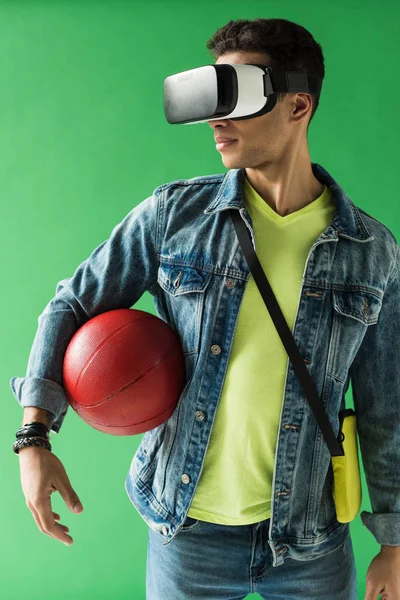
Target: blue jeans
pixel 207 561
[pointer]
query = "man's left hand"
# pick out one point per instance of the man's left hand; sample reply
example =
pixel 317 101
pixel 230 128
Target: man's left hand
pixel 383 575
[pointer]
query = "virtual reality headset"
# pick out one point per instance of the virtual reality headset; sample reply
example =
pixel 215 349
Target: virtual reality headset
pixel 229 91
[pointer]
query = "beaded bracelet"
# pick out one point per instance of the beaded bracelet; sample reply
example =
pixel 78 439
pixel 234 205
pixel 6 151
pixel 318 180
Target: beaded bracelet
pixel 31 441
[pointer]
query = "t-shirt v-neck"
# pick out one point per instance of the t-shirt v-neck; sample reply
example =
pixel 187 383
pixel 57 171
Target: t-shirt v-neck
pixel 258 202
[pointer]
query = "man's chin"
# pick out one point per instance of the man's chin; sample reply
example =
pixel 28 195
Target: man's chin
pixel 232 162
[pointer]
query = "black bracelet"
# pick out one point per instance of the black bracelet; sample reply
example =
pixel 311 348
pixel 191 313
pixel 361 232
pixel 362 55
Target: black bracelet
pixel 33 429
pixel 31 441
pixel 32 434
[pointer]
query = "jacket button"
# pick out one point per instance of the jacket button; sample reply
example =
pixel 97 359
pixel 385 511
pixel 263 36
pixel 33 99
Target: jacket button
pixel 185 478
pixel 164 530
pixel 177 282
pixel 215 349
pixel 230 283
pixel 199 415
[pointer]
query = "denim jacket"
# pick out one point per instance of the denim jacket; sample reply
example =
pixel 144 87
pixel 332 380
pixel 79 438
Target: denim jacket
pixel 180 245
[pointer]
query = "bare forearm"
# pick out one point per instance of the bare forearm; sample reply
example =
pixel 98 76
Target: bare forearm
pixel 32 413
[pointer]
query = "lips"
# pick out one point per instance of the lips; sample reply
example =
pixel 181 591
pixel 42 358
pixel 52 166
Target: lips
pixel 221 140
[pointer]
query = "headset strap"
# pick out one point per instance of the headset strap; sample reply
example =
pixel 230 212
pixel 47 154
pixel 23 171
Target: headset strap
pixel 290 81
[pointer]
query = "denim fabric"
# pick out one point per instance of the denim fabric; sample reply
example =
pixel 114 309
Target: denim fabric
pixel 220 562
pixel 180 245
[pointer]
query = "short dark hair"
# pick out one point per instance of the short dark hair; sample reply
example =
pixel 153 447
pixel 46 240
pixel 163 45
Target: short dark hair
pixel 290 47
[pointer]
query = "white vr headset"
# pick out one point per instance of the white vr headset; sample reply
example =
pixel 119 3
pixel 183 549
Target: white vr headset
pixel 229 91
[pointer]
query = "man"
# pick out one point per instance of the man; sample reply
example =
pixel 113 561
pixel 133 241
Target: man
pixel 240 475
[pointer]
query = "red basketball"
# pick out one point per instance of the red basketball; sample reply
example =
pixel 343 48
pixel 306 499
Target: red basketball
pixel 124 371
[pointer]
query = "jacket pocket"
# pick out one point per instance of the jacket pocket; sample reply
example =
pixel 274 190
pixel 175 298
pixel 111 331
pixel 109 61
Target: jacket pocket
pixel 364 306
pixel 146 451
pixel 354 311
pixel 184 288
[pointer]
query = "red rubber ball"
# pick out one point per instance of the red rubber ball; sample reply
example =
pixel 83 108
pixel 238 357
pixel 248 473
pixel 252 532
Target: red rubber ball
pixel 124 371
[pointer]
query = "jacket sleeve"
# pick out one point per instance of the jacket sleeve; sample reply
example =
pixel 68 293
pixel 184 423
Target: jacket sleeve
pixel 375 379
pixel 115 275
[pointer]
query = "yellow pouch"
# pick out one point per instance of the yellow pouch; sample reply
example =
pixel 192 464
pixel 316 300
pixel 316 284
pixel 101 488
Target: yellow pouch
pixel 347 491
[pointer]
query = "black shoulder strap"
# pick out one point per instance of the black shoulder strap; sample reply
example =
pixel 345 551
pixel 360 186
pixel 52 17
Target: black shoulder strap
pixel 335 447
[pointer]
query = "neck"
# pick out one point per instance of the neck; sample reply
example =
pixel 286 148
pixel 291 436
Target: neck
pixel 287 184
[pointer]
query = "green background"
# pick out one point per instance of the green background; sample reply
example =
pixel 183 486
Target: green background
pixel 83 139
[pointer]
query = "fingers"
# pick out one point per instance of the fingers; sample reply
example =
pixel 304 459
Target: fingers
pixel 45 519
pixel 57 518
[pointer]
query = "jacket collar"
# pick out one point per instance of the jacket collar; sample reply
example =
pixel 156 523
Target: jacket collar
pixel 347 220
